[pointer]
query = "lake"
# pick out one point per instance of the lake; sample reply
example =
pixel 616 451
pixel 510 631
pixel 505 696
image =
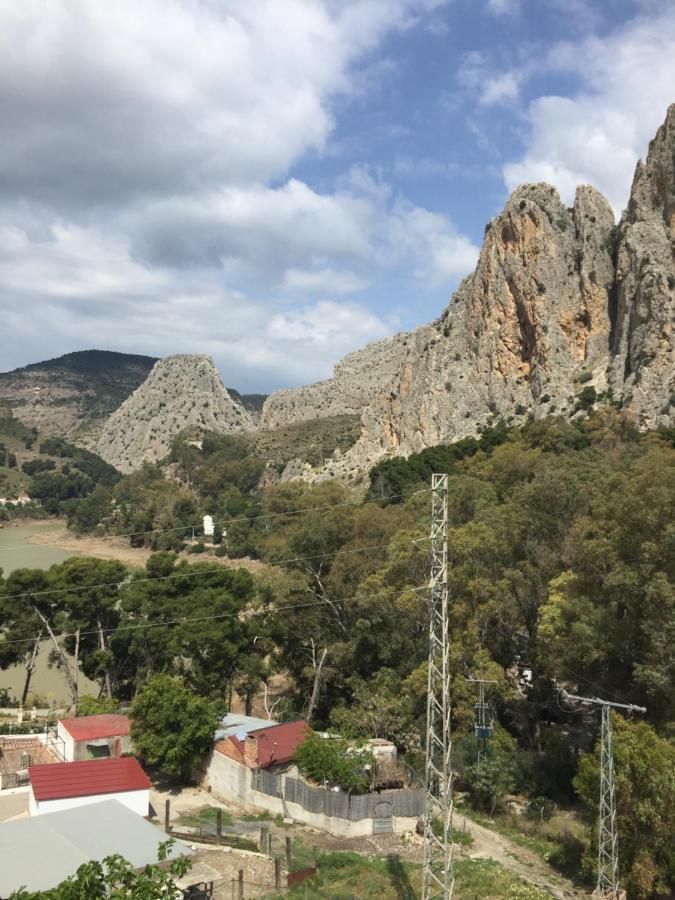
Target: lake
pixel 17 553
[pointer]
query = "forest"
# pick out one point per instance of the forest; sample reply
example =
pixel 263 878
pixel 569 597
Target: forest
pixel 561 564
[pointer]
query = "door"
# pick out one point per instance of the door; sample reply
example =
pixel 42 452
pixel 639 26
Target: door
pixel 383 818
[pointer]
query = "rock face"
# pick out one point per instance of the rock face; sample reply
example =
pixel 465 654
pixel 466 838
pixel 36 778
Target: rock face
pixel 356 380
pixel 643 341
pixel 72 395
pixel 181 392
pixel 563 310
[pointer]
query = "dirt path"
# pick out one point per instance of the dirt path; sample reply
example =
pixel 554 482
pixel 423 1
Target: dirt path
pixel 525 863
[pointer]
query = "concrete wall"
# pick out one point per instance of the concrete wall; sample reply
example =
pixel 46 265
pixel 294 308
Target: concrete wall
pixel 68 742
pixel 136 801
pixel 230 780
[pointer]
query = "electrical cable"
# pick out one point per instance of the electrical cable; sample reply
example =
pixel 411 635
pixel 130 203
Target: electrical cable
pixel 227 522
pixel 274 562
pixel 229 615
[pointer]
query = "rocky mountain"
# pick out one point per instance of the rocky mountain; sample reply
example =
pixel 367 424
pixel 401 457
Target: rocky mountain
pixel 356 381
pixel 181 393
pixel 564 311
pixel 71 396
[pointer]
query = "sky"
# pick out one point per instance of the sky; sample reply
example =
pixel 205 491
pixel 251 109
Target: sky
pixel 278 182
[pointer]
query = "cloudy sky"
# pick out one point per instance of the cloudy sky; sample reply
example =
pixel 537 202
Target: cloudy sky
pixel 277 182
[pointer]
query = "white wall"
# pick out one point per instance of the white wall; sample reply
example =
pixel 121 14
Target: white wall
pixel 68 742
pixel 137 801
pixel 229 780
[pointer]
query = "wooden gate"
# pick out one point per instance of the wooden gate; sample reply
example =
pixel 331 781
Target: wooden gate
pixel 383 818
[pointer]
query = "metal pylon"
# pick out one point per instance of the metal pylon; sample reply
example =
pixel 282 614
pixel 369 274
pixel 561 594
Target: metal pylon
pixel 438 874
pixel 608 835
pixel 608 839
pixel 483 722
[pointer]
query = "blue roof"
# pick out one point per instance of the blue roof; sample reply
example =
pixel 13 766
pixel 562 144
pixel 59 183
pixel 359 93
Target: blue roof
pixel 236 725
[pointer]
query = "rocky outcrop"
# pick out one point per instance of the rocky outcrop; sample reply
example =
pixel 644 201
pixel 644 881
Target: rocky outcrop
pixel 356 380
pixel 643 341
pixel 181 393
pixel 563 310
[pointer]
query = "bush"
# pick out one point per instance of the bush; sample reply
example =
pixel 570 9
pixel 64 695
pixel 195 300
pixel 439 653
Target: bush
pixel 540 809
pixel 335 761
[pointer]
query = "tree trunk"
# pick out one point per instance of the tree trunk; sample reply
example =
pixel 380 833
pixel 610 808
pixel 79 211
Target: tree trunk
pixel 101 644
pixel 70 678
pixel 30 666
pixel 315 688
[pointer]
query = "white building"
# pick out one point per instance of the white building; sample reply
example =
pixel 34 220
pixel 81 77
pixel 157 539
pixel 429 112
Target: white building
pixel 94 737
pixel 69 784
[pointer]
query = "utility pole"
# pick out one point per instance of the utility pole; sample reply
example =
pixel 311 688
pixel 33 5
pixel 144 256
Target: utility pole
pixel 483 722
pixel 608 835
pixel 438 872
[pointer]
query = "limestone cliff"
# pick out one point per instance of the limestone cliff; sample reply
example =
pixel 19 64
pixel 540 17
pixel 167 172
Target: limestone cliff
pixel 356 381
pixel 643 340
pixel 181 392
pixel 564 309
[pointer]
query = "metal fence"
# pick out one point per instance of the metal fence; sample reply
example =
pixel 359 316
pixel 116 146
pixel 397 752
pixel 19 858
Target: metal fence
pixel 355 807
pixel 267 782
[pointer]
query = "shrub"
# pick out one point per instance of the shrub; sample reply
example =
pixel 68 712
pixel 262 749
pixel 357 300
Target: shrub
pixel 335 761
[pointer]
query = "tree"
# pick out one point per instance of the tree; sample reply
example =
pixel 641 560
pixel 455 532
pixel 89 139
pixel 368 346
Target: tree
pixel 94 706
pixel 115 878
pixel 171 727
pixel 335 761
pixel 645 799
pixel 493 778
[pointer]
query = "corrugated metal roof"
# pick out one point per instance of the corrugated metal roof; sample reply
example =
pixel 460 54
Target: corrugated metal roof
pixel 87 778
pixel 43 851
pixel 234 723
pixel 84 728
pixel 278 743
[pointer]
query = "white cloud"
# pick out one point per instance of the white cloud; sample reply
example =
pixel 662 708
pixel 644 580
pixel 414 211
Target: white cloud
pixel 324 281
pixel 440 253
pixel 503 7
pixel 597 135
pixel 146 200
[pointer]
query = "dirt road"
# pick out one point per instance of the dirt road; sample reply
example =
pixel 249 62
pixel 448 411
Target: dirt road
pixel 525 863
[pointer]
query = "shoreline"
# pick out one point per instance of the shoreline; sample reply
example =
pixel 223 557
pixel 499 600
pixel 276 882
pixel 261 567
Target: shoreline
pixel 115 547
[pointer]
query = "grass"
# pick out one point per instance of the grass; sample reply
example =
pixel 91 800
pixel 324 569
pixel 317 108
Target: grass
pixel 206 814
pixel 345 876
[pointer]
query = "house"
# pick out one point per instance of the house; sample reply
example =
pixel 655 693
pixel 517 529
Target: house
pixel 267 747
pixel 39 853
pixel 235 723
pixel 95 737
pixel 68 784
pixel 242 759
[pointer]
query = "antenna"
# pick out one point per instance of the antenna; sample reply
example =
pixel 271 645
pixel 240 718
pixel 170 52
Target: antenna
pixel 438 872
pixel 608 835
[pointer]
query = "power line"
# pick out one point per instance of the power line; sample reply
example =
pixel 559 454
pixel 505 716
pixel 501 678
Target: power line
pixel 218 570
pixel 229 615
pixel 293 512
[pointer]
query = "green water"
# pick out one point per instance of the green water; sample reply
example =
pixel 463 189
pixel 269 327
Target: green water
pixel 17 553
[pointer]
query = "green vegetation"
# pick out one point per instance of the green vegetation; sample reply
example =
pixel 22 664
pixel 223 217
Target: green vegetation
pixel 561 567
pixel 335 762
pixel 342 876
pixel 171 727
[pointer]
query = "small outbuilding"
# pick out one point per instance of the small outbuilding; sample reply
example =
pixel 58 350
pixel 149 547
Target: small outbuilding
pixel 69 784
pixel 95 737
pixel 40 853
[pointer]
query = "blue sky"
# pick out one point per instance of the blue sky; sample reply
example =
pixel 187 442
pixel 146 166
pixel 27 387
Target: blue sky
pixel 277 182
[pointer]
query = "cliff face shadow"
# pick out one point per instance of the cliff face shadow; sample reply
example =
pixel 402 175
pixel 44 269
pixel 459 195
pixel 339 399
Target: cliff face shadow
pixel 399 879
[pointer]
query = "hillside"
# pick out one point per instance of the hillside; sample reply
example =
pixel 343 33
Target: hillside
pixel 71 395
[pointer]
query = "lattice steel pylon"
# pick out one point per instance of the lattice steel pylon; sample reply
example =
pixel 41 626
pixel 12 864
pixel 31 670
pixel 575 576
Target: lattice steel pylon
pixel 607 884
pixel 438 872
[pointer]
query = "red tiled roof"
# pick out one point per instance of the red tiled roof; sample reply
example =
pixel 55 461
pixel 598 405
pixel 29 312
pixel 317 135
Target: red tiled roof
pixel 85 728
pixel 278 743
pixel 87 778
